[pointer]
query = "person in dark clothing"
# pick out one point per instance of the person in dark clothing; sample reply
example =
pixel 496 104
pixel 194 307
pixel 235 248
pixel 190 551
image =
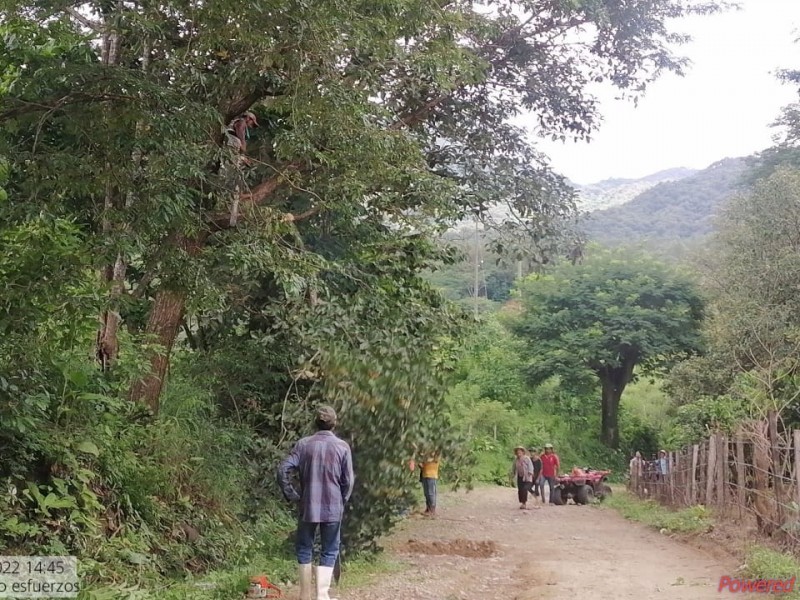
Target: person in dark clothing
pixel 537 472
pixel 522 468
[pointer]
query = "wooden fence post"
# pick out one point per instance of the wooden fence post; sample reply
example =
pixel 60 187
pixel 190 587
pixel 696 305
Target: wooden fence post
pixel 703 467
pixel 722 470
pixel 777 465
pixel 670 477
pixel 741 484
pixel 686 484
pixel 693 474
pixel 711 468
pixel 765 515
pixel 797 465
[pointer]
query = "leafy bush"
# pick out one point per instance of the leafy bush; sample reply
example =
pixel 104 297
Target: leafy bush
pixel 694 421
pixel 91 474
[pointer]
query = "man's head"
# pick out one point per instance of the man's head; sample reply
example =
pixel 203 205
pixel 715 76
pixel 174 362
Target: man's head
pixel 548 448
pixel 662 453
pixel 534 452
pixel 519 451
pixel 250 119
pixel 325 419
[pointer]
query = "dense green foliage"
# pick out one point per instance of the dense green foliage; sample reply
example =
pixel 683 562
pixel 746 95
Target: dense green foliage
pixel 612 317
pixel 753 276
pixel 494 405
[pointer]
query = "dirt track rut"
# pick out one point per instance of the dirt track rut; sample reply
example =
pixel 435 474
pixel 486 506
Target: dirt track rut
pixel 483 547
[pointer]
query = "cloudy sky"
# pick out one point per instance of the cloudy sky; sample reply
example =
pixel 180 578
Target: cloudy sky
pixel 723 106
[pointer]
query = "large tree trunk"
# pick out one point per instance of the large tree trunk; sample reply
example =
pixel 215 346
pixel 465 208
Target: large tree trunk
pixel 613 382
pixel 609 433
pixel 165 318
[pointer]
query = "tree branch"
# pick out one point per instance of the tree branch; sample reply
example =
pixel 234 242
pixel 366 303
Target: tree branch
pixel 93 25
pixel 25 107
pixel 292 218
pixel 141 287
pixel 417 116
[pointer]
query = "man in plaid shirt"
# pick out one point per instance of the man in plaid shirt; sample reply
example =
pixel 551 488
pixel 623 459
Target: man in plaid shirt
pixel 324 465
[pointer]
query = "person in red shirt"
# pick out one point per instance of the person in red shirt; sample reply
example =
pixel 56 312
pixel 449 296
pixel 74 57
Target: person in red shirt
pixel 550 466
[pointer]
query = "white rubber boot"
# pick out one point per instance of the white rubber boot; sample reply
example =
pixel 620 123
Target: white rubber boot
pixel 305 582
pixel 324 576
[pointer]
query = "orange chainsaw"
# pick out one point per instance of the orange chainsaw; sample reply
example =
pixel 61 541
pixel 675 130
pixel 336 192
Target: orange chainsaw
pixel 260 587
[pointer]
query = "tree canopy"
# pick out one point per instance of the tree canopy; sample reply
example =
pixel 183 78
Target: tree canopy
pixel 608 316
pixel 752 272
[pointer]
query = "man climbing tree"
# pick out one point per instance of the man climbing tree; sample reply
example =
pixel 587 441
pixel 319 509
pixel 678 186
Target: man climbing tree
pixel 608 316
pixel 238 131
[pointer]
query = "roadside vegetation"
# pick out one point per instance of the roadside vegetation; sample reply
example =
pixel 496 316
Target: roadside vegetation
pixel 696 519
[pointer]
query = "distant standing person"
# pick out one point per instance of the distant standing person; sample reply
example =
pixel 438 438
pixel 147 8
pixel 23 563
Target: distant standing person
pixel 537 473
pixel 636 470
pixel 663 465
pixel 429 475
pixel 324 465
pixel 550 466
pixel 523 469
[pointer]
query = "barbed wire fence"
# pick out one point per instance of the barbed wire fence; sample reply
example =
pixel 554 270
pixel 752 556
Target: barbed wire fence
pixel 751 476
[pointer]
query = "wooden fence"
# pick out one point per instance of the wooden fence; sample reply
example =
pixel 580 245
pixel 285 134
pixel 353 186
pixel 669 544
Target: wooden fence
pixel 752 476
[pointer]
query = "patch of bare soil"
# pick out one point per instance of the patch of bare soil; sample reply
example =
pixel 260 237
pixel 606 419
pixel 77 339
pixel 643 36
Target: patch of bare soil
pixel 459 547
pixel 483 547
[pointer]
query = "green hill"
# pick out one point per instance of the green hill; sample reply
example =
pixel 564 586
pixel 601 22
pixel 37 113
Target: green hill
pixel 671 212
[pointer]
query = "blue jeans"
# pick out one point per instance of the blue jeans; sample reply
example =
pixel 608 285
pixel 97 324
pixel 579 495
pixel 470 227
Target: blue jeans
pixel 329 534
pixel 537 486
pixel 429 487
pixel 551 483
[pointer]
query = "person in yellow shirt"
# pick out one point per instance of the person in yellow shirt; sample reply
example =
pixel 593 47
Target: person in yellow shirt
pixel 429 474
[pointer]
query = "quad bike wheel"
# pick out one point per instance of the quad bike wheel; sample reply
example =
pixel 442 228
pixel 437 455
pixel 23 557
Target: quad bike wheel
pixel 584 495
pixel 557 498
pixel 603 491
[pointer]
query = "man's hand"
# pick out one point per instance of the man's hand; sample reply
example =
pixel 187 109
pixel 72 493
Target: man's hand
pixel 291 495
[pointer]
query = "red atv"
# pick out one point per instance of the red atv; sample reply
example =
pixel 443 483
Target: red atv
pixel 582 485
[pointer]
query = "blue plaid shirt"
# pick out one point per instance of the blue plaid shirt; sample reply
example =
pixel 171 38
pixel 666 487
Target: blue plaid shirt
pixel 325 466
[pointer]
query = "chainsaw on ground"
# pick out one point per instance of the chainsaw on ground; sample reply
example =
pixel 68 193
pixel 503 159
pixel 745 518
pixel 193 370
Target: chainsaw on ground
pixel 260 587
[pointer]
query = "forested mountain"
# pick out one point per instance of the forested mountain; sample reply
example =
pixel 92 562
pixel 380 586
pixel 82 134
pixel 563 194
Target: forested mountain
pixel 670 211
pixel 614 192
pixel 600 195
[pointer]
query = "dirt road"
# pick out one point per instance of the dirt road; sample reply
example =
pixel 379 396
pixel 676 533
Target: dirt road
pixel 483 547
